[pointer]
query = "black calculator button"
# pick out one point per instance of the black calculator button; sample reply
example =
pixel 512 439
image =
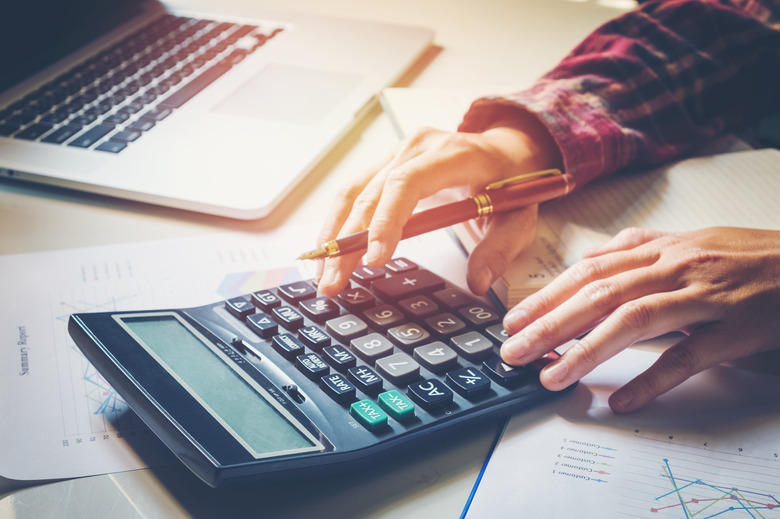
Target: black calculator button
pixel 445 325
pixel 371 347
pixel 399 265
pixel 452 298
pixel 287 345
pixel 288 317
pixel 311 365
pixel 266 300
pixel 366 379
pixel 407 284
pixel 338 388
pixel 346 327
pixel 319 309
pixel 383 317
pixel 408 335
pixel 396 405
pixel 369 415
pixel 365 275
pixel 314 338
pixel 357 298
pixel 418 306
pixel 468 382
pixel 436 357
pixel 239 307
pixel 295 292
pixel 430 394
pixel 339 357
pixel 472 346
pixel 399 368
pixel 506 375
pixel 262 324
pixel 479 315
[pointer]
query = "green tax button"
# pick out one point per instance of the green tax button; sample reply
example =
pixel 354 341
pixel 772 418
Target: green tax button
pixel 396 405
pixel 368 414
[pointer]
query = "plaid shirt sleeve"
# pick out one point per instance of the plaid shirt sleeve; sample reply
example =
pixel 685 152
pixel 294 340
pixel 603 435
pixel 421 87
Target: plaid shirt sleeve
pixel 653 84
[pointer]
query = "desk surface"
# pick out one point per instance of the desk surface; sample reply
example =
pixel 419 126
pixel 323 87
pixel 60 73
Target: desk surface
pixel 490 42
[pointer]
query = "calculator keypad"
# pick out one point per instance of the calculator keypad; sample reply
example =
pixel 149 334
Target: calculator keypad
pixel 397 343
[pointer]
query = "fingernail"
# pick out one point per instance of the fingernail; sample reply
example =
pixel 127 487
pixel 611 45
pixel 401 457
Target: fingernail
pixel 556 372
pixel 621 400
pixel 515 346
pixel 515 319
pixel 328 274
pixel 374 251
pixel 484 279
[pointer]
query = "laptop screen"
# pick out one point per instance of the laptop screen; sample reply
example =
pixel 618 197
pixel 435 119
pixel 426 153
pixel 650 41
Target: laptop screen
pixel 36 33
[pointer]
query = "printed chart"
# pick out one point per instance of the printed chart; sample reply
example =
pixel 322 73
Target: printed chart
pixel 668 479
pixel 709 449
pixel 60 417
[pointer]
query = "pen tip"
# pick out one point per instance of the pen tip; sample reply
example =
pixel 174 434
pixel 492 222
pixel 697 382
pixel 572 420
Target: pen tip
pixel 313 254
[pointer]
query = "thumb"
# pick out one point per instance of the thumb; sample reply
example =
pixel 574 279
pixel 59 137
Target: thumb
pixel 506 235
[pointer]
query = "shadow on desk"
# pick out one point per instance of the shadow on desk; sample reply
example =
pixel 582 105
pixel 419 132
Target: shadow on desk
pixel 387 489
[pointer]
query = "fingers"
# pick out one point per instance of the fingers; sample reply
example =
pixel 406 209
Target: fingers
pixel 701 350
pixel 426 163
pixel 596 271
pixel 506 236
pixel 634 321
pixel 629 238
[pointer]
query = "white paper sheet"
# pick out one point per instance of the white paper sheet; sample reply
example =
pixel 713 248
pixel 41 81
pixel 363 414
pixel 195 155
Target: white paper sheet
pixel 706 449
pixel 59 417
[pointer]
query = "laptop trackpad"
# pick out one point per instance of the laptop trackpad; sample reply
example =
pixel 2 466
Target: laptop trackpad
pixel 288 94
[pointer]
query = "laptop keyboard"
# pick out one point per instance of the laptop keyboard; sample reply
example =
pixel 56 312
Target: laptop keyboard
pixel 114 98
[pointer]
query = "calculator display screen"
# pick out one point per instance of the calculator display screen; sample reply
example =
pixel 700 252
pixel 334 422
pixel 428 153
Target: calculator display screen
pixel 233 398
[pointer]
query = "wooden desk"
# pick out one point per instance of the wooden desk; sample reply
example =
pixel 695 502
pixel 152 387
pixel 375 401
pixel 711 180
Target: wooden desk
pixel 478 43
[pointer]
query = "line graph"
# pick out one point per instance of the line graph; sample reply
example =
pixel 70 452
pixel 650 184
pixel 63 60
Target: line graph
pixel 679 480
pixel 711 500
pixel 89 405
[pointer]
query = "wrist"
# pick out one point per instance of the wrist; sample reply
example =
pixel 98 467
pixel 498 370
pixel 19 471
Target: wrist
pixel 525 141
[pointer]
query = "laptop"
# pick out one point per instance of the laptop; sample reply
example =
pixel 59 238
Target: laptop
pixel 215 112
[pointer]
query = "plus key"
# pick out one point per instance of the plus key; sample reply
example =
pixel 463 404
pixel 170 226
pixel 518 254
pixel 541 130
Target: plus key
pixel 407 284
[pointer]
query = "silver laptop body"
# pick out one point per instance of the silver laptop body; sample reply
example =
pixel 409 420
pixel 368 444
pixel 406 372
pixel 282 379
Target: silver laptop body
pixel 260 106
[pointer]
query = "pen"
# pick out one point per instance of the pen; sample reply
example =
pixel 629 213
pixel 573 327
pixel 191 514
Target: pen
pixel 499 197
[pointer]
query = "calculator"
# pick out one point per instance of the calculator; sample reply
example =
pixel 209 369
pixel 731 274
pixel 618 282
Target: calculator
pixel 284 382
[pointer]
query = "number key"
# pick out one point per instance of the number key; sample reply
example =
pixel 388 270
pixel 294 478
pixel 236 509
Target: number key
pixel 445 325
pixel 408 335
pixel 479 315
pixel 436 357
pixel 371 347
pixel 418 306
pixel 398 368
pixel 383 317
pixel 346 327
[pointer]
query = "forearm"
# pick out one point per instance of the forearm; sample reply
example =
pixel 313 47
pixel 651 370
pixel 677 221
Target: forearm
pixel 653 84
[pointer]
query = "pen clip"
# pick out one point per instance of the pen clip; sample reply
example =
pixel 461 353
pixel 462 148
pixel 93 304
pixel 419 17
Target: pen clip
pixel 525 177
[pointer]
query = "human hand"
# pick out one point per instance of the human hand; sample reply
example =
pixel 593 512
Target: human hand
pixel 720 286
pixel 442 164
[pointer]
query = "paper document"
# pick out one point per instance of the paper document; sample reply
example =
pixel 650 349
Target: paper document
pixel 59 417
pixel 709 448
